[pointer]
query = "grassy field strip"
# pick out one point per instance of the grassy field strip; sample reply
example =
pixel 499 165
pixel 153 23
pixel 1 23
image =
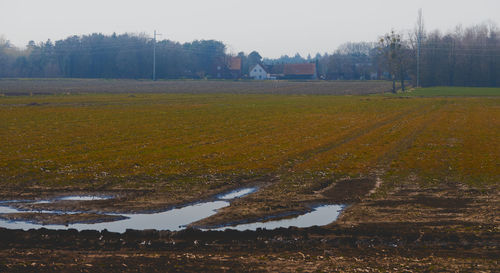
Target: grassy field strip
pixel 220 134
pixel 133 131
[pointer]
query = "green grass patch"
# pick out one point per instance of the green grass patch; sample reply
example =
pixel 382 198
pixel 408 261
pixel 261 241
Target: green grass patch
pixel 452 91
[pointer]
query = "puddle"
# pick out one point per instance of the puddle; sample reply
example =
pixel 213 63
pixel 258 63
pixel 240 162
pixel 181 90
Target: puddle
pixel 320 216
pixel 41 202
pixel 15 201
pixel 8 210
pixel 83 198
pixel 237 194
pixel 71 198
pixel 5 209
pixel 173 219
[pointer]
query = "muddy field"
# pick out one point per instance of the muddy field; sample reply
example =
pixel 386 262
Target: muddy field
pixel 441 229
pixel 20 87
pixel 418 177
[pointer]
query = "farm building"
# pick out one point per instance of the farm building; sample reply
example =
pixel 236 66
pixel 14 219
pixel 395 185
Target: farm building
pixel 227 68
pixel 305 71
pixel 234 67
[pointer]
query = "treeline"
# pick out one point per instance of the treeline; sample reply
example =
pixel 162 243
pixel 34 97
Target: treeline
pixel 114 56
pixel 351 61
pixel 464 57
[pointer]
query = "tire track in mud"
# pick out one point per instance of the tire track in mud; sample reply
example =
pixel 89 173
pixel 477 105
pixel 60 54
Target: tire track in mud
pixel 402 145
pixel 406 141
pixel 302 157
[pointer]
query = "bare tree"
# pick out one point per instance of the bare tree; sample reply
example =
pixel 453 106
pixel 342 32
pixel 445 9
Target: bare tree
pixel 394 56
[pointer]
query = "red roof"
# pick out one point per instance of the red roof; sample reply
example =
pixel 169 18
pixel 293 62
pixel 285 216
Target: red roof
pixel 299 69
pixel 234 63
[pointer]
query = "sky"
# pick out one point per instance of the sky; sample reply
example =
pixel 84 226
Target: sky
pixel 271 27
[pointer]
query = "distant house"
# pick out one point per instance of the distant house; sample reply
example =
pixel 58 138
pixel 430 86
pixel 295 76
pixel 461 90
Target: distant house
pixel 227 68
pixel 300 71
pixel 305 71
pixel 258 72
pixel 234 67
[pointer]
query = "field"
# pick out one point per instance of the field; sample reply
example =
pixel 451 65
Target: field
pixel 419 170
pixel 453 91
pixel 19 87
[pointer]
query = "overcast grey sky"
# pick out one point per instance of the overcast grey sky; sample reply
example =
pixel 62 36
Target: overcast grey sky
pixel 272 27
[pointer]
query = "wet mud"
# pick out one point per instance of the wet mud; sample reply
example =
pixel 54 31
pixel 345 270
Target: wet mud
pixel 60 219
pixel 349 190
pixel 443 228
pixel 266 205
pixel 83 204
pixel 393 247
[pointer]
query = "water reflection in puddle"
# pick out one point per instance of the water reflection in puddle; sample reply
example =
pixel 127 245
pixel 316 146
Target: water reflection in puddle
pixel 71 198
pixel 8 210
pixel 174 219
pixel 237 193
pixel 320 216
pixel 83 198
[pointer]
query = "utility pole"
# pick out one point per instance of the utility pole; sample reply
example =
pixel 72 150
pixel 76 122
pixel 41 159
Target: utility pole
pixel 420 26
pixel 154 55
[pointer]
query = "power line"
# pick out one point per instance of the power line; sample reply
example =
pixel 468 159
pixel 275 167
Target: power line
pixel 154 55
pixel 420 25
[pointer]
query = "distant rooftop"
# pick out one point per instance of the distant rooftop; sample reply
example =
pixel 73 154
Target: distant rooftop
pixel 234 63
pixel 293 69
pixel 299 69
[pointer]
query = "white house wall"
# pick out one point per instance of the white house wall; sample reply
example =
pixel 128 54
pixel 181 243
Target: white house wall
pixel 258 73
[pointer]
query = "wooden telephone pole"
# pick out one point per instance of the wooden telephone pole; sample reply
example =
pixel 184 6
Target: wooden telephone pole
pixel 420 30
pixel 154 55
